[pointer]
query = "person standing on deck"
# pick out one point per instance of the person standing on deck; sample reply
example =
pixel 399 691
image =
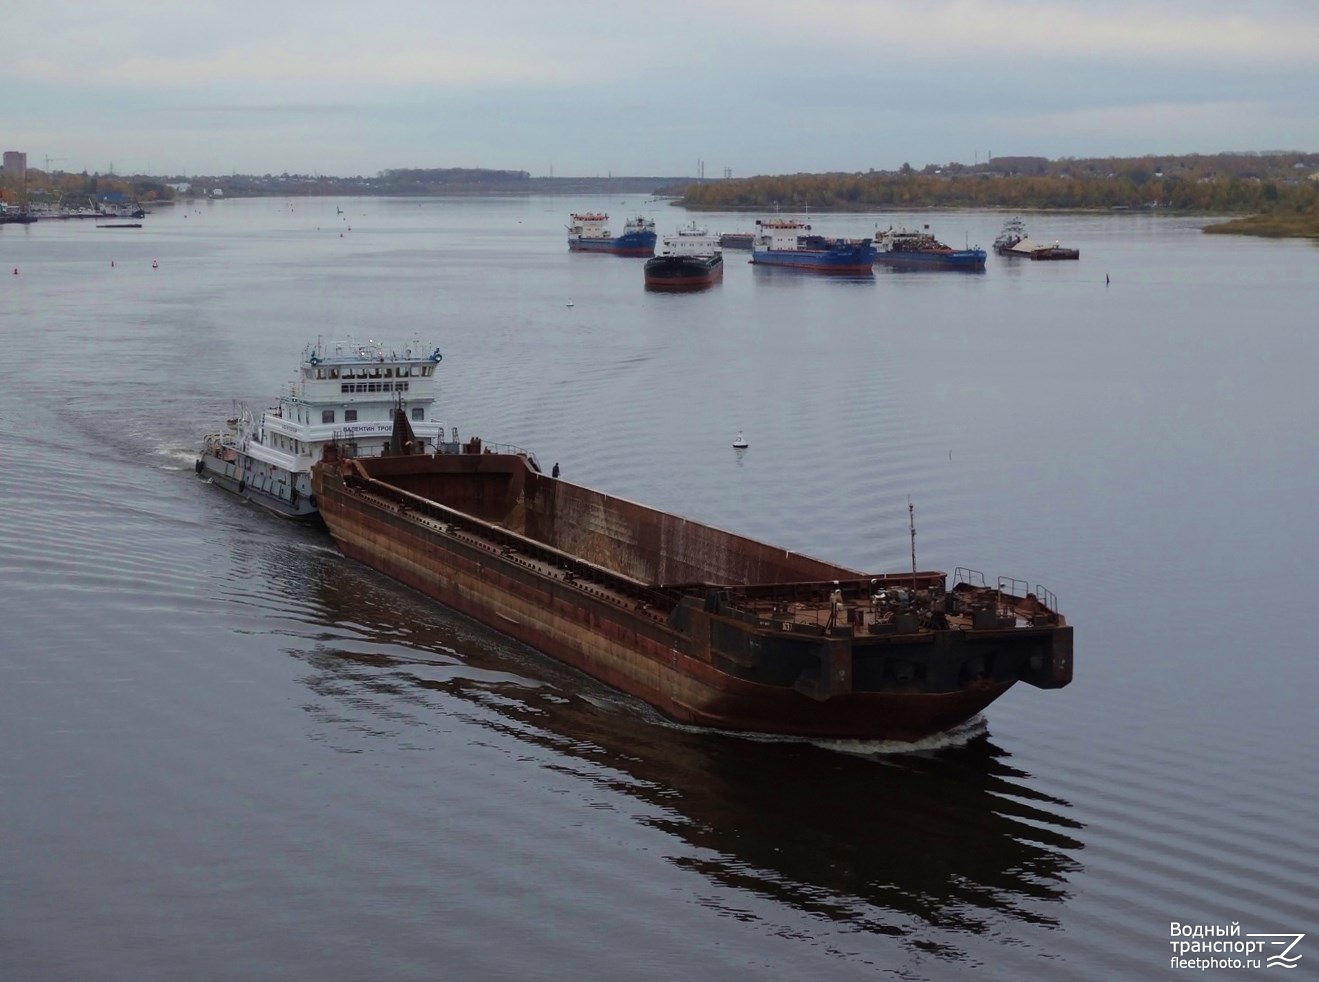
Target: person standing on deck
pixel 835 605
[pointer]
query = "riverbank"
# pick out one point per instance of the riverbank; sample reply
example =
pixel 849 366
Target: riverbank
pixel 1304 226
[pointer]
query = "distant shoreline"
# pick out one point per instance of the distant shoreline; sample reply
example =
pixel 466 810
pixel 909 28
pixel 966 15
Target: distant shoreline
pixel 1270 226
pixel 1274 194
pixel 360 188
pixel 1259 225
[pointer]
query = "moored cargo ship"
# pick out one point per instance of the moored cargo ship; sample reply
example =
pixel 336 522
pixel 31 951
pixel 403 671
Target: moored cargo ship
pixel 690 260
pixel 709 627
pixel 919 249
pixel 590 233
pixel 790 242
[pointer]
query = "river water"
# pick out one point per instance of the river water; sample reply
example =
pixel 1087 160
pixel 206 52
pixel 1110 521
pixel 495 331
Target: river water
pixel 230 753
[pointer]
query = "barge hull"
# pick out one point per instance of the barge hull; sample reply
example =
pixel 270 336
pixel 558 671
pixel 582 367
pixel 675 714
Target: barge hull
pixel 917 260
pixel 814 262
pixel 682 275
pixel 695 653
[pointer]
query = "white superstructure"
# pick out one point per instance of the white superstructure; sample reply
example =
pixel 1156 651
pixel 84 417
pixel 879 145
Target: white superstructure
pixel 345 391
pixel 691 240
pixel 639 224
pixel 589 225
pixel 780 234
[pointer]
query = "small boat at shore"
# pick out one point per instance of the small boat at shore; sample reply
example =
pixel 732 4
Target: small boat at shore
pixel 790 242
pixel 1013 241
pixel 906 248
pixel 345 393
pixel 692 259
pixel 16 216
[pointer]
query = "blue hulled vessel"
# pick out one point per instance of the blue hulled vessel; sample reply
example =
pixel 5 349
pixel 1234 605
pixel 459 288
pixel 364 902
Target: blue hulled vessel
pixel 789 242
pixel 589 232
pixel 918 249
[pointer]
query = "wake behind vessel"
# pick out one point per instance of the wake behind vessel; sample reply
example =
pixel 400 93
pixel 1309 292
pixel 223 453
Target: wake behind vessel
pixel 345 392
pixel 690 260
pixel 790 242
pixel 709 627
pixel 589 232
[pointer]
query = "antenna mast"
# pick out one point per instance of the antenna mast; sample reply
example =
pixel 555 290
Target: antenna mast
pixel 911 517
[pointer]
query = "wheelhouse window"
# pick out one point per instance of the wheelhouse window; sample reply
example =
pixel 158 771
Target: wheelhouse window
pixel 327 415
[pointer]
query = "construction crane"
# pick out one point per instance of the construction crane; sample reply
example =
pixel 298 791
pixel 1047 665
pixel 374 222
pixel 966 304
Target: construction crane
pixel 52 160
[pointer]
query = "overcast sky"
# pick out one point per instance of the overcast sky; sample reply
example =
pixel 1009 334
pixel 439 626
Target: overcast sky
pixel 646 88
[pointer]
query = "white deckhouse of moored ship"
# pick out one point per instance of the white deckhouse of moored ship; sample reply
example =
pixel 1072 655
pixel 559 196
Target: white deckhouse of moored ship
pixel 345 392
pixel 691 240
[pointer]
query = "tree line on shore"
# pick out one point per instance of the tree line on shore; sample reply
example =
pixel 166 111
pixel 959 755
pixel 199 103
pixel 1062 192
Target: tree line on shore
pixel 50 187
pixel 41 186
pixel 1280 190
pixel 1268 187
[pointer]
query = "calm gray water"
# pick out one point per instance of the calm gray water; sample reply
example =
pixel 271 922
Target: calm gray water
pixel 227 753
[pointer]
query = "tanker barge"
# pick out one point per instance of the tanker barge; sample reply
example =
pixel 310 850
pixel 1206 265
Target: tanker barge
pixel 711 628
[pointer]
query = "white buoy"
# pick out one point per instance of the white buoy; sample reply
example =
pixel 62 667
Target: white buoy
pixel 569 303
pixel 739 441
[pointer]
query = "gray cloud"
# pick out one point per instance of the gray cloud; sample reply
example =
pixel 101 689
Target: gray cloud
pixel 763 85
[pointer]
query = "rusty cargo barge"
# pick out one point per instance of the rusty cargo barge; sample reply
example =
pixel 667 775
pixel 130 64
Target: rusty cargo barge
pixel 711 628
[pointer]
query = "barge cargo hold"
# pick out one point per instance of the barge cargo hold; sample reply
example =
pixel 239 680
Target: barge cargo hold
pixel 711 628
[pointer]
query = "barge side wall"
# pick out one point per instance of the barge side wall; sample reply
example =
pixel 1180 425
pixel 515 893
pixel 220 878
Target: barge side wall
pixel 634 651
pixel 643 543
